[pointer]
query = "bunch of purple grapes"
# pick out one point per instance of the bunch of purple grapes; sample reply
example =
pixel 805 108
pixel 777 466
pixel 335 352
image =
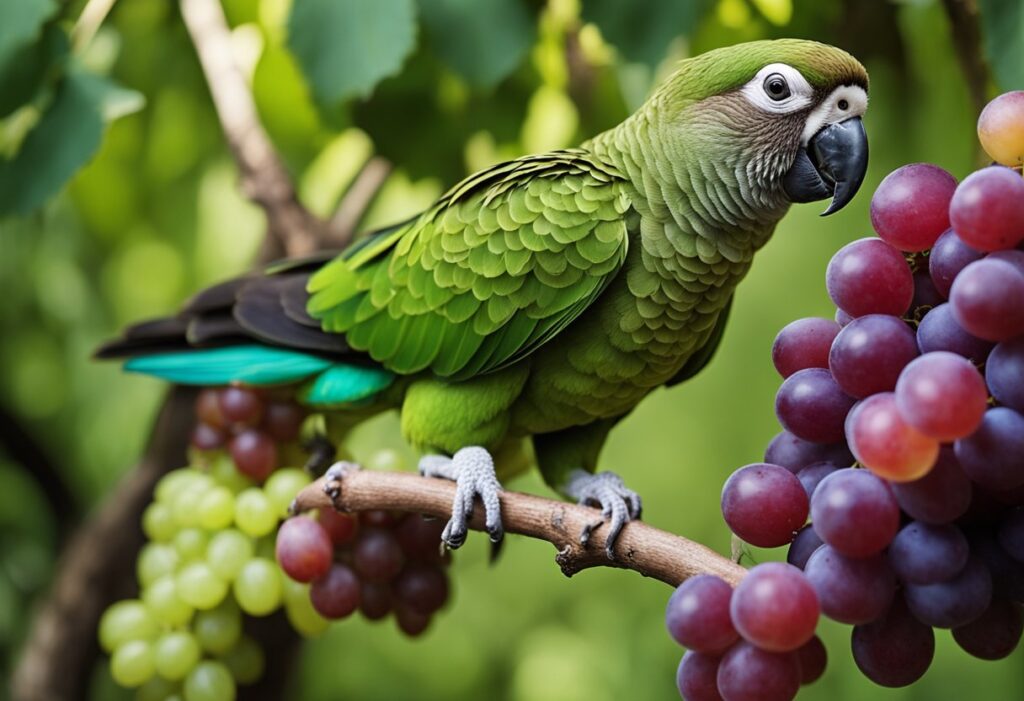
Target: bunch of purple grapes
pixel 377 563
pixel 903 443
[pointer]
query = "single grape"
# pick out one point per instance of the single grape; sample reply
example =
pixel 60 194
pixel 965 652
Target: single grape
pixel 336 594
pixel 304 549
pixel 855 512
pixel 926 294
pixel 987 299
pixel 697 615
pixel 340 527
pixel 176 653
pixel 300 612
pixel 954 602
pixel 227 552
pixel 941 496
pixel 184 501
pixel 1014 258
pixel 210 681
pixel 258 587
pixel 803 546
pixel 994 634
pixel 158 522
pixel 923 554
pixel 813 659
pixel 208 408
pixel 245 661
pixel 216 508
pixel 764 504
pixel 240 407
pixel 939 331
pixel 851 590
pixel 842 318
pixel 803 344
pixel 158 689
pixel 377 556
pixel 282 421
pixel 1007 573
pixel 942 395
pixel 1011 533
pixel 191 544
pixel 254 453
pixel 993 456
pixel 813 474
pixel 410 622
pixel 987 209
pixel 697 677
pixel 132 663
pixel 794 453
pixel 870 277
pixel 199 587
pixel 376 600
pixel 1001 128
pixel 155 560
pixel 206 437
pixel 282 486
pixel 254 514
pixel 885 443
pixel 811 405
pixel 173 482
pixel 910 207
pixel 895 650
pixel 1004 373
pixel 161 597
pixel 774 607
pixel 748 673
pixel 948 257
pixel 421 587
pixel 869 353
pixel 219 629
pixel 420 538
pixel 224 472
pixel 125 621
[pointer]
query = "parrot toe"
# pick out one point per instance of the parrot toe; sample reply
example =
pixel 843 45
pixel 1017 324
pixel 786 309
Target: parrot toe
pixel 472 470
pixel 321 454
pixel 619 505
pixel 334 475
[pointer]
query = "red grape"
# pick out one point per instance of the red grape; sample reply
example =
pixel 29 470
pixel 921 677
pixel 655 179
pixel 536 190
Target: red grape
pixel 885 443
pixel 412 623
pixel 794 453
pixel 254 454
pixel 948 257
pixel 747 673
pixel 375 600
pixel 855 512
pixel 1001 128
pixel 988 300
pixel 812 475
pixel 1011 533
pixel 697 677
pixel 420 538
pixel 282 420
pixel 340 527
pixel 208 408
pixel 421 588
pixel 939 331
pixel 1004 373
pixel 774 607
pixel 303 549
pixel 811 405
pixel 1014 258
pixel 813 660
pixel 994 634
pixel 987 209
pixel 910 207
pixel 851 590
pixel 924 554
pixel 941 496
pixel 895 650
pixel 697 615
pixel 926 294
pixel 803 344
pixel 206 437
pixel 241 407
pixel 869 353
pixel 942 395
pixel 764 504
pixel 993 456
pixel 869 276
pixel 954 602
pixel 336 594
pixel 806 542
pixel 377 555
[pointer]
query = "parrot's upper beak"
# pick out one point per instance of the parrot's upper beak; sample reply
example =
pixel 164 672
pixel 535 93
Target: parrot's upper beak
pixel 833 165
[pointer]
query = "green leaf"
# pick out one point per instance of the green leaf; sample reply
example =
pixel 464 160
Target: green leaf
pixel 482 40
pixel 21 23
pixel 64 139
pixel 346 48
pixel 1003 25
pixel 31 66
pixel 642 29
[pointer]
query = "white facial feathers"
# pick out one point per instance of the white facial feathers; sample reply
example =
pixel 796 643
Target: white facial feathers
pixel 844 102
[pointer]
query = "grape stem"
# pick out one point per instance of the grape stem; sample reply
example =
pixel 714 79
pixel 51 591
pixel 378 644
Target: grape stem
pixel 650 551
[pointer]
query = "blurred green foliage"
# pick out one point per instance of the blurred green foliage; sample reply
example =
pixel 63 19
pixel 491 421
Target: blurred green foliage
pixel 440 88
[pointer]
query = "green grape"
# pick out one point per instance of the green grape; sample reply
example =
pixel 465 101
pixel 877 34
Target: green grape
pixel 200 587
pixel 219 629
pixel 293 592
pixel 158 522
pixel 282 486
pixel 173 482
pixel 125 621
pixel 265 547
pixel 176 654
pixel 191 544
pixel 155 561
pixel 301 614
pixel 258 587
pixel 157 689
pixel 254 514
pixel 185 504
pixel 163 601
pixel 226 474
pixel 216 508
pixel 227 552
pixel 245 660
pixel 132 663
pixel 210 681
pixel 386 459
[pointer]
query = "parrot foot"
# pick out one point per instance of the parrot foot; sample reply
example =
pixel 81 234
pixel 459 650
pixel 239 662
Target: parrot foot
pixel 618 504
pixel 334 476
pixel 321 454
pixel 472 470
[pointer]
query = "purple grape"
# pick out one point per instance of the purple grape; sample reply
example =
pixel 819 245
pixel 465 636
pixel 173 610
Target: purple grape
pixel 803 546
pixel 803 344
pixel 747 673
pixel 1007 573
pixel 1014 258
pixel 895 650
pixel 377 556
pixel 813 660
pixel 993 456
pixel 336 594
pixel 814 473
pixel 910 207
pixel 421 587
pixel 855 512
pixel 794 453
pixel 988 300
pixel 926 295
pixel 697 615
pixel 994 634
pixel 775 607
pixel 1004 373
pixel 987 209
pixel 842 318
pixel 941 496
pixel 942 395
pixel 764 504
pixel 924 554
pixel 954 602
pixel 697 677
pixel 870 277
pixel 938 331
pixel 851 590
pixel 1011 533
pixel 869 353
pixel 948 257
pixel 812 406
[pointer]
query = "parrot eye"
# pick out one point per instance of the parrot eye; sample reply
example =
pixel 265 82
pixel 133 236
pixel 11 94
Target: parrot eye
pixel 776 87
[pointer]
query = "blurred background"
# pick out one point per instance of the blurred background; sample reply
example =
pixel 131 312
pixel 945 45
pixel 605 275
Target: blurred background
pixel 119 198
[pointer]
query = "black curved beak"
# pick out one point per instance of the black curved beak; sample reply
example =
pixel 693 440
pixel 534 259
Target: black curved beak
pixel 833 165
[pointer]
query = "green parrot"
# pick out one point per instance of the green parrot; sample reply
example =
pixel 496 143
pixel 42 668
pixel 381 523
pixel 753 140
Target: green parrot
pixel 541 299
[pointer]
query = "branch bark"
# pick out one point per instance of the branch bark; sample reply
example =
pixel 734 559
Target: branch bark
pixel 966 30
pixel 360 195
pixel 640 547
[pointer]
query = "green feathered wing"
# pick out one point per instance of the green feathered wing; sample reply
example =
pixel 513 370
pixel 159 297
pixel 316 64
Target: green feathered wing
pixel 496 268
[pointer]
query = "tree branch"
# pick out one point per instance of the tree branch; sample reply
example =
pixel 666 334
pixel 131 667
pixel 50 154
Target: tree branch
pixel 966 31
pixel 292 229
pixel 358 198
pixel 640 547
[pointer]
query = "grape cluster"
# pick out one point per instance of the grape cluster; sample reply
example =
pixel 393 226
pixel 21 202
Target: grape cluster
pixel 378 563
pixel 903 446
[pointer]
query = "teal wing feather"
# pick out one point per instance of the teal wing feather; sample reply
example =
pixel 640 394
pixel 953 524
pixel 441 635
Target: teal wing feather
pixel 496 268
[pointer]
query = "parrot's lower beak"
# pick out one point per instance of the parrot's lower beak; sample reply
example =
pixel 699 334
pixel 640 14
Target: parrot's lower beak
pixel 832 165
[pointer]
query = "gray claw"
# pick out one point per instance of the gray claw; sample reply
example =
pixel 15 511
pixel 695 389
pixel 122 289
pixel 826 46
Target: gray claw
pixel 619 504
pixel 334 475
pixel 472 470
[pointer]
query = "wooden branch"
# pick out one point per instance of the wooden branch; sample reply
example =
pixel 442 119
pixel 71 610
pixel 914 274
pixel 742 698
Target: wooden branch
pixel 358 198
pixel 640 547
pixel 89 21
pixel 293 230
pixel 966 30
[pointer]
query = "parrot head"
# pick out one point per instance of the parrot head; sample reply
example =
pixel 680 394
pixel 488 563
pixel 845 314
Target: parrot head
pixel 788 112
